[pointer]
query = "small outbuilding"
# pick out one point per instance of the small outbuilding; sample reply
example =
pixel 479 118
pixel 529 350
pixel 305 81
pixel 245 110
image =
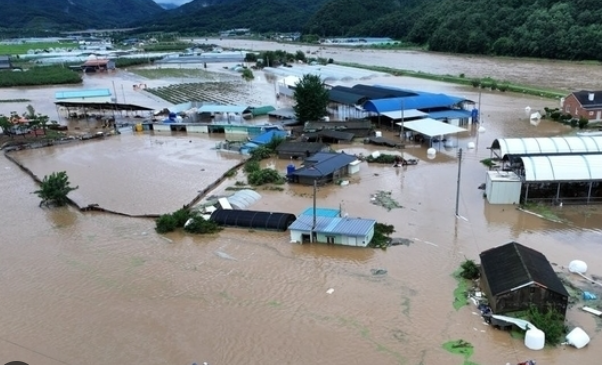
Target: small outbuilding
pixel 503 187
pixel 514 277
pixel 323 167
pixel 5 63
pixel 333 230
pixel 291 149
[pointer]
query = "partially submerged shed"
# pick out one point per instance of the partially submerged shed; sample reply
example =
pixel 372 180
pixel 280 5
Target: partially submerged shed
pixel 323 167
pixel 291 149
pixel 333 230
pixel 514 277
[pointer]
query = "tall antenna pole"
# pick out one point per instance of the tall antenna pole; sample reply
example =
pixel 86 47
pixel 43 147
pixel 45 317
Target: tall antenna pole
pixel 313 226
pixel 459 176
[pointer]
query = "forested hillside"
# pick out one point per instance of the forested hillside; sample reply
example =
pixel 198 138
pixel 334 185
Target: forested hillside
pixel 75 14
pixel 532 28
pixel 260 15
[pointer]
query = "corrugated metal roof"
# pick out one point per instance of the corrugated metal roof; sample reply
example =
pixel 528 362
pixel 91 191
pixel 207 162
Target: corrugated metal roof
pixel 82 94
pixel 262 110
pixel 547 145
pixel 421 100
pixel 431 127
pixel 407 114
pixel 357 227
pixel 322 212
pixel 562 168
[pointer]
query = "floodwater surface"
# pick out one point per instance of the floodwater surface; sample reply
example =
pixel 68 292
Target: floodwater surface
pixel 91 288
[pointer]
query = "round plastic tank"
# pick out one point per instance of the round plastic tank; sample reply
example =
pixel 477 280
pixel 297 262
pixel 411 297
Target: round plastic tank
pixel 482 129
pixel 378 134
pixel 375 154
pixel 578 338
pixel 290 169
pixel 431 152
pixel 578 266
pixel 535 339
pixel 470 145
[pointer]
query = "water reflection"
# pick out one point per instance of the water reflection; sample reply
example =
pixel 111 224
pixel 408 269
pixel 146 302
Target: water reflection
pixel 324 252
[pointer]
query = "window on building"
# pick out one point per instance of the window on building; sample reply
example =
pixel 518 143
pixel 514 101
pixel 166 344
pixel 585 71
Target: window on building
pixel 330 240
pixel 591 114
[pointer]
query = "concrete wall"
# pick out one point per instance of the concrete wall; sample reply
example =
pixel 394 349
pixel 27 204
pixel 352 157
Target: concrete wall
pixel 338 239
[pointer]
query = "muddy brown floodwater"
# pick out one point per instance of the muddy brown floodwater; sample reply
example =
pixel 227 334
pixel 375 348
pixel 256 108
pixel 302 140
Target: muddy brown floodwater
pixel 91 288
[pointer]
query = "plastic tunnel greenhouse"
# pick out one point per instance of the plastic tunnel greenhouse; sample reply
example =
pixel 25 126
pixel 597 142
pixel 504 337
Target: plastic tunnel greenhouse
pixel 253 219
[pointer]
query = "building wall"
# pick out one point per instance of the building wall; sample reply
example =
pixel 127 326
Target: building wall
pixel 92 99
pixel 572 106
pixel 338 239
pixel 523 298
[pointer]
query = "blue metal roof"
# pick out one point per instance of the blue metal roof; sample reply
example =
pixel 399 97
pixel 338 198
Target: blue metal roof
pixel 323 164
pixel 450 113
pixel 222 109
pixel 322 212
pixel 82 94
pixel 357 227
pixel 423 100
pixel 268 136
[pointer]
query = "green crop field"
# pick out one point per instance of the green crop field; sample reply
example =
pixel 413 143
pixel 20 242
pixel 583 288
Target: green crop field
pixel 22 48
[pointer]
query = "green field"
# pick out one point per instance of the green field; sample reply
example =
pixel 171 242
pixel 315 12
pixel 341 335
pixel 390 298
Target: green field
pixel 22 48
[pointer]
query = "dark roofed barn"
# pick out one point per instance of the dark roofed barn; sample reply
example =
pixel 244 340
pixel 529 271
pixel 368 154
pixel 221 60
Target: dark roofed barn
pixel 329 136
pixel 323 167
pixel 292 149
pixel 514 276
pixel 253 219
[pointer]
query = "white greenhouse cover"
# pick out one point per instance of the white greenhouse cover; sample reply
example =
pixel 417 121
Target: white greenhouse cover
pixel 563 168
pixel 431 127
pixel 243 198
pixel 548 146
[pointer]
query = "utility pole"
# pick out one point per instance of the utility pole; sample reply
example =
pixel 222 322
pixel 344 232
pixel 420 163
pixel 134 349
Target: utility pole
pixel 459 176
pixel 313 226
pixel 403 134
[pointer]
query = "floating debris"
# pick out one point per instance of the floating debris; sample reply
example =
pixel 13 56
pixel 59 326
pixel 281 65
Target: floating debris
pixel 379 271
pixel 383 198
pixel 400 241
pixel 224 256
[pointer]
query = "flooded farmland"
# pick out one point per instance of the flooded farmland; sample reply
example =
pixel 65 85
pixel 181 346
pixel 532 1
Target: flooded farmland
pixel 91 288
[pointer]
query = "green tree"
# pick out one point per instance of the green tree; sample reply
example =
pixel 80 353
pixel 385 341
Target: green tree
pixel 247 74
pixel 5 125
pixel 54 189
pixel 311 97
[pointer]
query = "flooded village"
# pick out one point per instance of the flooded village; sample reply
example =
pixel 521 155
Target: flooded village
pixel 285 282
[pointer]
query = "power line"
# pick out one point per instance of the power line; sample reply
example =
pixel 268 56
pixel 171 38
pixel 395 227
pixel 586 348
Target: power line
pixel 34 351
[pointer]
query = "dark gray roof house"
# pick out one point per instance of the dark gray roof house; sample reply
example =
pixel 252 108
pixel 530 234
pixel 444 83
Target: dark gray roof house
pixel 5 63
pixel 292 149
pixel 514 277
pixel 323 167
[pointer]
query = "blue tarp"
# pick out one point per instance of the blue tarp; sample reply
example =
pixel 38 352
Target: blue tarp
pixel 423 100
pixel 268 136
pixel 81 94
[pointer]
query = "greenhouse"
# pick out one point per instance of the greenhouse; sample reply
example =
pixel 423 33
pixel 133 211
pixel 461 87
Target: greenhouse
pixel 329 72
pixel 243 198
pixel 503 148
pixel 253 219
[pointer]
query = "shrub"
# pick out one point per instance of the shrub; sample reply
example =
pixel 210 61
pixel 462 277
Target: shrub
pixel 265 176
pixel 201 226
pixel 261 153
pixel 555 115
pixel 493 85
pixel 54 189
pixel 475 82
pixel 382 233
pixel 574 122
pixel 166 223
pixel 551 322
pixel 583 122
pixel 181 216
pixel 383 158
pixel 252 166
pixel 469 270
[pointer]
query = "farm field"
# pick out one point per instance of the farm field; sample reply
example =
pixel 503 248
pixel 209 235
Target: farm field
pixel 161 73
pixel 22 48
pixel 215 92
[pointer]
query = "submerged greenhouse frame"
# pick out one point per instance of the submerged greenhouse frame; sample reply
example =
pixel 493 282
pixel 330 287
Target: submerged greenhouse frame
pixel 253 219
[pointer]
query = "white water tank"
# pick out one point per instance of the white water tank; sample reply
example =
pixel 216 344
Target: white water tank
pixel 378 134
pixel 482 129
pixel 431 152
pixel 535 339
pixel 578 338
pixel 578 266
pixel 470 145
